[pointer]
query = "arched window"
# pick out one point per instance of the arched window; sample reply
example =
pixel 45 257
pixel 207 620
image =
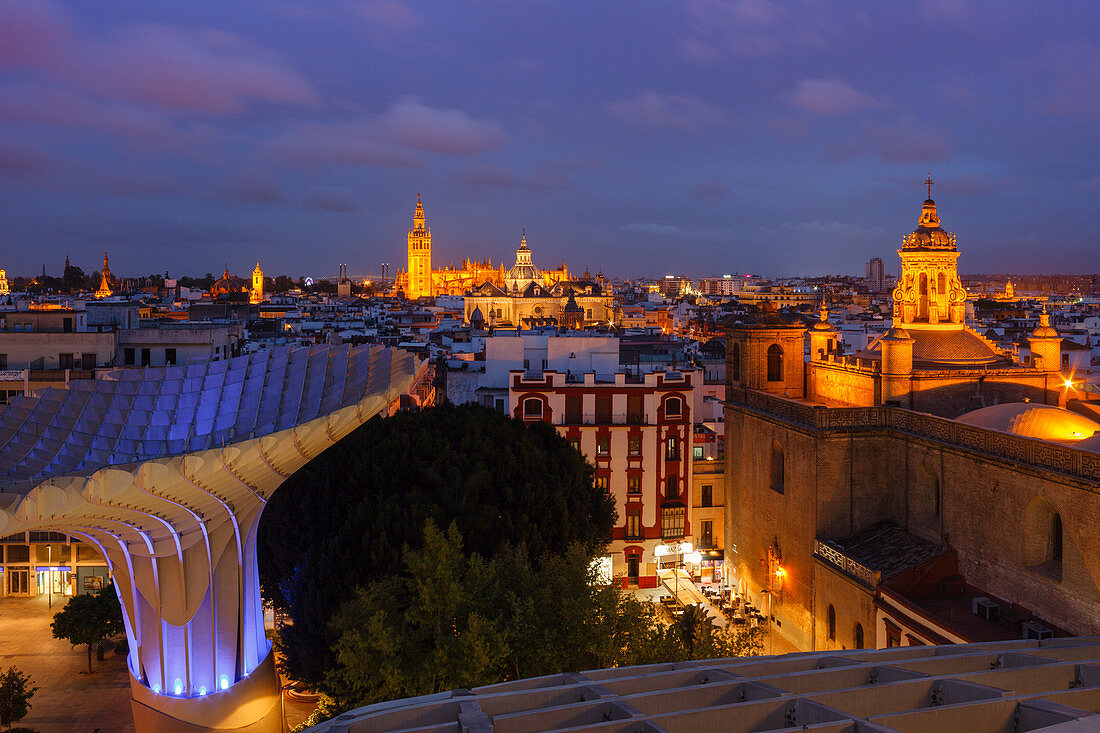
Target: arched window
pixel 673 407
pixel 532 407
pixel 1056 538
pixel 859 636
pixel 775 363
pixel 831 623
pixel 735 362
pixel 777 474
pixel 922 297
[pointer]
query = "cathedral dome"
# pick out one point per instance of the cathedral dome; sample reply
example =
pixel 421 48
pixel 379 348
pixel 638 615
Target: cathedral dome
pixel 227 285
pixel 1030 420
pixel 928 234
pixel 524 272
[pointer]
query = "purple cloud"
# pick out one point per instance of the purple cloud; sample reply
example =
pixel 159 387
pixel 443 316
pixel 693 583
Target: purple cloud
pixel 828 97
pixel 393 139
pixel 339 200
pixel 761 27
pixel 906 141
pixel 31 33
pixel 36 104
pixel 252 188
pixel 23 161
pixel 386 17
pixel 654 109
pixel 494 176
pixel 709 191
pixel 207 71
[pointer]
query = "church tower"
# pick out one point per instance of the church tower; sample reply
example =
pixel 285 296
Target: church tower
pixel 420 256
pixel 257 295
pixel 105 280
pixel 929 294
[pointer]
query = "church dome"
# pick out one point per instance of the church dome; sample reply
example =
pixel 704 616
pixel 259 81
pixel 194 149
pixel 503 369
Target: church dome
pixel 227 285
pixel 524 272
pixel 929 235
pixel 1030 420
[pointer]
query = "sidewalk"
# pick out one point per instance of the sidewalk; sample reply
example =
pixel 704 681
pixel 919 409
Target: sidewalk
pixel 67 701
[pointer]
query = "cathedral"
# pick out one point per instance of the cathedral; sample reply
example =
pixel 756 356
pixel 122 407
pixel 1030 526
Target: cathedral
pixel 925 490
pixel 421 280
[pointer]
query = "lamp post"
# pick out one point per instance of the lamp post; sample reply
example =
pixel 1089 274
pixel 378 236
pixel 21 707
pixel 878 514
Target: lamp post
pixel 49 574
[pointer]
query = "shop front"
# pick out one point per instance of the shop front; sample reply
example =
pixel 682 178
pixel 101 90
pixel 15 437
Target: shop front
pixel 710 566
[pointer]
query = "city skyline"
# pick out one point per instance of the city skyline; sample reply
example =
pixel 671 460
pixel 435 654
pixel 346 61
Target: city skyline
pixel 763 141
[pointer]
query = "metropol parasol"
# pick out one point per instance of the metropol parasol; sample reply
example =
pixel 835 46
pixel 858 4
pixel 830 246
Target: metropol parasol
pixel 166 471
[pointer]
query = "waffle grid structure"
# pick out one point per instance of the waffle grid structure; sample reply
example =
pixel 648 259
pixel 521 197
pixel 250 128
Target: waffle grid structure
pixel 166 472
pixel 1053 685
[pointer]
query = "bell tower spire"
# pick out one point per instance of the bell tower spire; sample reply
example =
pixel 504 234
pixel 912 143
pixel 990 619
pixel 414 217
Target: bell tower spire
pixel 420 255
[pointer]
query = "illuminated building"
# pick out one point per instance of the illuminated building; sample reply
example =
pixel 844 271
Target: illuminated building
pixel 420 280
pixel 901 488
pixel 228 287
pixel 876 275
pixel 104 290
pixel 166 472
pixel 637 431
pixel 257 294
pixel 4 287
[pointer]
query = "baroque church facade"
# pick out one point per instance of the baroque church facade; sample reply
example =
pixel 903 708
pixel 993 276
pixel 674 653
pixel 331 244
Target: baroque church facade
pixel 925 490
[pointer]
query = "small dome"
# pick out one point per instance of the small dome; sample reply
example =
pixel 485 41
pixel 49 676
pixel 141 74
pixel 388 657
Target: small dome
pixel 897 333
pixel 929 234
pixel 1044 330
pixel 1044 422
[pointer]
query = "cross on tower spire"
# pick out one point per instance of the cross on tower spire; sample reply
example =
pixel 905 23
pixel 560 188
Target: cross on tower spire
pixel 928 182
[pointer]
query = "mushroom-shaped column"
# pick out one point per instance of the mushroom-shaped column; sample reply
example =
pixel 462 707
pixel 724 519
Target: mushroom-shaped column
pixel 179 534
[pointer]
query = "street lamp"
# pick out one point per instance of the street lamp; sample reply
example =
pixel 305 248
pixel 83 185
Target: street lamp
pixel 49 574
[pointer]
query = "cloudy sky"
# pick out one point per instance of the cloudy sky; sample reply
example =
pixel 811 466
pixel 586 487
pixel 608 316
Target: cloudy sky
pixel 699 136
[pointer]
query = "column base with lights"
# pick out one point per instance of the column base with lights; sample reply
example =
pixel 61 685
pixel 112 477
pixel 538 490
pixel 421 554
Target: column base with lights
pixel 252 705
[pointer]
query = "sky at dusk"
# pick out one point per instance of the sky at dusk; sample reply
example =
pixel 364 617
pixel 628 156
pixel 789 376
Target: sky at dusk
pixel 701 137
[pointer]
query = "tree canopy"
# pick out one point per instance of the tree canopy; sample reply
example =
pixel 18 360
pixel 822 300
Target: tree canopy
pixel 89 619
pixel 342 521
pixel 15 694
pixel 451 621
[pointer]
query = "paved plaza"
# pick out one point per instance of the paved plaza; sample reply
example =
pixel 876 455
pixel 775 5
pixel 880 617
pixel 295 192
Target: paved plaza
pixel 68 699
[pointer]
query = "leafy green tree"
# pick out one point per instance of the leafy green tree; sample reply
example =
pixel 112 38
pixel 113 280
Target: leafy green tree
pixel 89 619
pixel 341 522
pixel 15 694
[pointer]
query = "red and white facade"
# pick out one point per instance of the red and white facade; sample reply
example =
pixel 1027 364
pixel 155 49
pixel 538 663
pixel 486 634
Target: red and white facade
pixel 637 432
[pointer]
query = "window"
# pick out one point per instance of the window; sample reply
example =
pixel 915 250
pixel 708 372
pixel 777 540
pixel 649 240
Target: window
pixel 634 484
pixel 589 314
pixel 893 635
pixel 706 497
pixel 635 412
pixel 64 361
pixel 830 622
pixel 3 361
pixel 1056 538
pixel 67 325
pixel 859 636
pixel 634 522
pixel 573 409
pixel 146 357
pixel 170 357
pixel 576 444
pixel 88 361
pixel 603 483
pixel 706 533
pixel 735 363
pixel 672 487
pixel 501 406
pixel 697 452
pixel 775 363
pixel 777 476
pixel 603 409
pixel 634 445
pixel 672 522
pixel 673 407
pixel 603 445
pixel 532 407
pixel 672 450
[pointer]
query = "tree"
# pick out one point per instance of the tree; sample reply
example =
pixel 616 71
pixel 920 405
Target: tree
pixel 15 694
pixel 341 522
pixel 89 619
pixel 450 620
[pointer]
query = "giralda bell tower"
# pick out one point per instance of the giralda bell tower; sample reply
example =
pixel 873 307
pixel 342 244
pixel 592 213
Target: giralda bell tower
pixel 420 255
